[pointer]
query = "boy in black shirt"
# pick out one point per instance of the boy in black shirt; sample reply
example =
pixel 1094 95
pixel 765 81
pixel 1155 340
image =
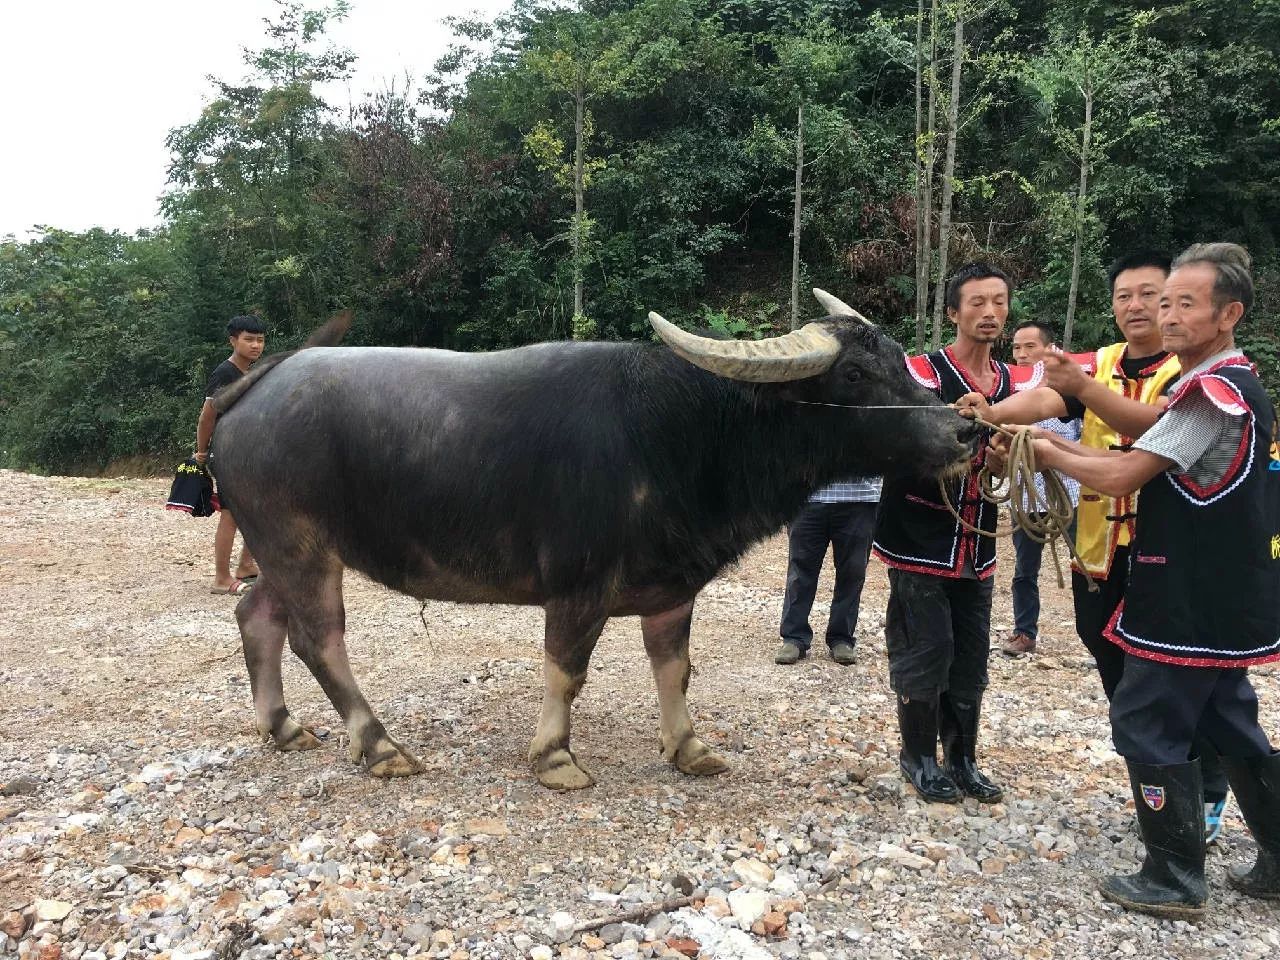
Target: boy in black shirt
pixel 248 337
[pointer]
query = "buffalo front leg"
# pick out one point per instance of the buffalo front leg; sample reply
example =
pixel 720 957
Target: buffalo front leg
pixel 666 640
pixel 571 634
pixel 317 626
pixel 263 627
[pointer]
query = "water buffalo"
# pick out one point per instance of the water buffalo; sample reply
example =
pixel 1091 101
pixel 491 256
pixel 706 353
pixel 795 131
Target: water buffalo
pixel 591 479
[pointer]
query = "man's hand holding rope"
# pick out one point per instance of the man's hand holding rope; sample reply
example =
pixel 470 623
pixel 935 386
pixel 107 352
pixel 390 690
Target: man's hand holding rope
pixel 1011 453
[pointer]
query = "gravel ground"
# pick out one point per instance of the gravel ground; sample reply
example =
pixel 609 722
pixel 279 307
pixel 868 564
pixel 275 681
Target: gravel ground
pixel 140 816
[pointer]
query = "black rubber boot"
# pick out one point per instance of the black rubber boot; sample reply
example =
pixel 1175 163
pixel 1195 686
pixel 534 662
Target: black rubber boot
pixel 1170 805
pixel 1256 784
pixel 918 723
pixel 958 728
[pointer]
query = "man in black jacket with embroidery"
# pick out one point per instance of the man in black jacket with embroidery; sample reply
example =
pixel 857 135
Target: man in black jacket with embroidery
pixel 1201 605
pixel 938 625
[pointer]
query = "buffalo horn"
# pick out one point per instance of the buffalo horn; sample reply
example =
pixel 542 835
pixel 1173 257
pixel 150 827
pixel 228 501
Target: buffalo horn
pixel 837 307
pixel 802 353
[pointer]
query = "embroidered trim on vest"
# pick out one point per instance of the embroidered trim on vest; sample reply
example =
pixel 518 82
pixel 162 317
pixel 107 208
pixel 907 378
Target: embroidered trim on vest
pixel 1226 396
pixel 922 372
pixel 1116 633
pixel 1000 370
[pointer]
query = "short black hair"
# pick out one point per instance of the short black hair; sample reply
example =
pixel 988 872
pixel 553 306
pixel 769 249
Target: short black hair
pixel 978 270
pixel 245 323
pixel 1136 261
pixel 1046 331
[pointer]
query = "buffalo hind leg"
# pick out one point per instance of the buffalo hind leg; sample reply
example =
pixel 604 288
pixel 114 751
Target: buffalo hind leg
pixel 317 623
pixel 263 627
pixel 571 634
pixel 666 640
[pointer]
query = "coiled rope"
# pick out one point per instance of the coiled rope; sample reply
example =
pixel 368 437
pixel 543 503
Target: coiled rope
pixel 1044 518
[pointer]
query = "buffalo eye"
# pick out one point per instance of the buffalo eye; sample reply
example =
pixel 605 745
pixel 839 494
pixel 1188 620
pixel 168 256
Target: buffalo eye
pixel 852 375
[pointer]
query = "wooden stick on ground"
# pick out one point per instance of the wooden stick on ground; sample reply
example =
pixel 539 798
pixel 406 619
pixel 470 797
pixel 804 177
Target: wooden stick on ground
pixel 631 916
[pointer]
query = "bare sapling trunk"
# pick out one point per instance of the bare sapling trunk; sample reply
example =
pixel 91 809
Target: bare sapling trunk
pixel 948 177
pixel 579 103
pixel 1081 200
pixel 922 292
pixel 795 219
pixel 924 262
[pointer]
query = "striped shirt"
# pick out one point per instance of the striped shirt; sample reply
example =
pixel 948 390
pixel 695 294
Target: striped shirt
pixel 1197 435
pixel 853 490
pixel 1068 430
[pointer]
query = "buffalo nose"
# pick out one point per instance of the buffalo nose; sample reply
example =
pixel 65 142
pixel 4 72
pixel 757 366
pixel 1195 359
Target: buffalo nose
pixel 968 432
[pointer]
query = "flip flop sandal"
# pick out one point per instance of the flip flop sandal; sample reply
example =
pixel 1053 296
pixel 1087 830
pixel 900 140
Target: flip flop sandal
pixel 238 588
pixel 250 580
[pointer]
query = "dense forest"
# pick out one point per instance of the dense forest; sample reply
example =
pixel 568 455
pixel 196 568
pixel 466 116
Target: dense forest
pixel 569 166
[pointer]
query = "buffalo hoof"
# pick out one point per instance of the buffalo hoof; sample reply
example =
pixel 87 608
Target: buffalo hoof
pixel 698 760
pixel 294 736
pixel 385 758
pixel 559 770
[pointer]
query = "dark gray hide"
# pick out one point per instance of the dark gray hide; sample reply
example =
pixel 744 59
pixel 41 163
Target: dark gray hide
pixel 592 479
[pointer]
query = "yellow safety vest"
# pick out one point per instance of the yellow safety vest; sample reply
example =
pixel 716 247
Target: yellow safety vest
pixel 1104 523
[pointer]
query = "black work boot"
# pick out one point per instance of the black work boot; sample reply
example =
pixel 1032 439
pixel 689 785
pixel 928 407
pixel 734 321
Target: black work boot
pixel 918 723
pixel 958 728
pixel 1256 784
pixel 1170 804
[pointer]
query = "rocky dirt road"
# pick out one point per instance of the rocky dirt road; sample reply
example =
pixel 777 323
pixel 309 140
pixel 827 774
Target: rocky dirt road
pixel 140 816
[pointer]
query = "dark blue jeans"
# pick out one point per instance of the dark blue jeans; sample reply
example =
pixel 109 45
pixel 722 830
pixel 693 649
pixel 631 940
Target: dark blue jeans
pixel 848 528
pixel 1026 580
pixel 1026 584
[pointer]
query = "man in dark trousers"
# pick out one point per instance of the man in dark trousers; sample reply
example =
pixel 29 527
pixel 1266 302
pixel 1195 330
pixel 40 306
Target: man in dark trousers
pixel 938 625
pixel 844 516
pixel 248 337
pixel 1201 603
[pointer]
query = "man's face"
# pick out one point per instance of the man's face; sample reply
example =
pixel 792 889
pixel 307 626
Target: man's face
pixel 1135 298
pixel 248 345
pixel 984 308
pixel 1190 324
pixel 1029 346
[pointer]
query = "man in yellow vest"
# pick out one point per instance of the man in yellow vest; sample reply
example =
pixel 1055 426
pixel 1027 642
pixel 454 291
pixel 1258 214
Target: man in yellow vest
pixel 1118 394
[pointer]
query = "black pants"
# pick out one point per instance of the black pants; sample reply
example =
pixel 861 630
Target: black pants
pixel 938 634
pixel 848 527
pixel 1161 709
pixel 1093 613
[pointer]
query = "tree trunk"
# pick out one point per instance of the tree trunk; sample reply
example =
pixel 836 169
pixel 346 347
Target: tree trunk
pixel 948 175
pixel 579 101
pixel 921 293
pixel 924 263
pixel 1081 199
pixel 795 219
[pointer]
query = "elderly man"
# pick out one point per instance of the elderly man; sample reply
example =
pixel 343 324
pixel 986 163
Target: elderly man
pixel 1201 604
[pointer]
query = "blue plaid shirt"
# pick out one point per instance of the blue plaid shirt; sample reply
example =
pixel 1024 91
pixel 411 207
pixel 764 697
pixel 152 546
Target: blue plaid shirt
pixel 853 490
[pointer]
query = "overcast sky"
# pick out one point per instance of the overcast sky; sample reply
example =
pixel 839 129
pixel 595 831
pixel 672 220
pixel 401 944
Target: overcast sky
pixel 90 88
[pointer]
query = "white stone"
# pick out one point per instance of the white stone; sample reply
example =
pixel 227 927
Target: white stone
pixel 752 871
pixel 367 841
pixel 748 905
pixel 904 858
pixel 541 952
pixel 784 885
pixel 560 926
pixel 52 910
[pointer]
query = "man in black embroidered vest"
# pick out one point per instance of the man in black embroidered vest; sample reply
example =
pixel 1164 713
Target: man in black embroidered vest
pixel 938 625
pixel 1201 604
